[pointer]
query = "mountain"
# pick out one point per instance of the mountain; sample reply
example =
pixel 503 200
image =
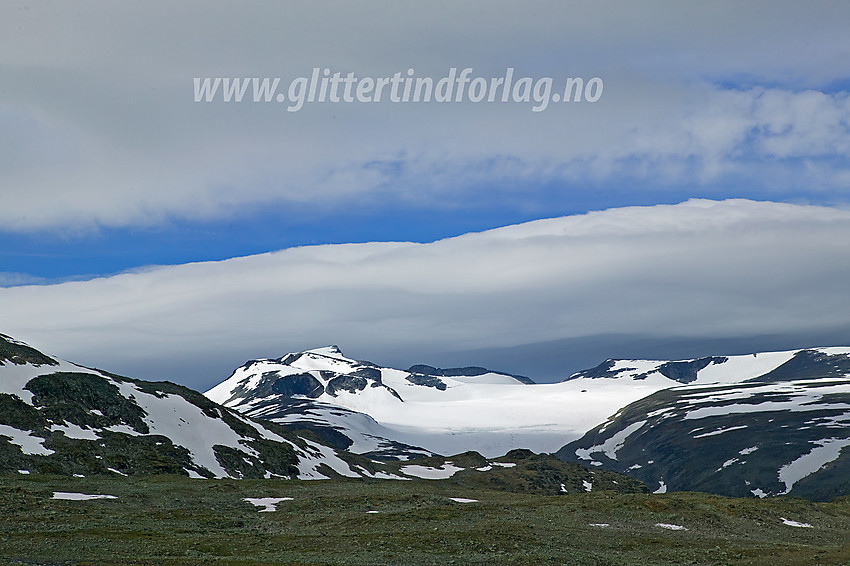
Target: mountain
pixel 337 397
pixel 398 414
pixel 760 424
pixel 766 424
pixel 61 418
pixel 763 424
pixel 391 414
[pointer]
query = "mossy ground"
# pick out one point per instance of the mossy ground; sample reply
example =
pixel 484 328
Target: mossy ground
pixel 175 520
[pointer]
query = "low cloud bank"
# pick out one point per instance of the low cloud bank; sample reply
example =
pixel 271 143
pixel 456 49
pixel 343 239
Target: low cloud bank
pixel 700 270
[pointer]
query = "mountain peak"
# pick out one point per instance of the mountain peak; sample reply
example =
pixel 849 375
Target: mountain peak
pixel 331 350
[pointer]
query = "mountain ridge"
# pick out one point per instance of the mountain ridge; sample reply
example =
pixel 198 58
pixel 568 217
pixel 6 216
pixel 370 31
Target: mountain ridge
pixel 757 425
pixel 63 418
pixel 607 417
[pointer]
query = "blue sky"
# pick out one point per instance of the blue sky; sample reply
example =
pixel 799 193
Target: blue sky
pixel 109 165
pixel 52 256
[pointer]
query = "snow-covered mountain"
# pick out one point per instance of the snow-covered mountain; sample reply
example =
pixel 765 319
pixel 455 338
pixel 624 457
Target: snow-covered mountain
pixel 59 417
pixel 740 425
pixel 344 400
pixel 780 431
pixel 384 411
pixel 761 424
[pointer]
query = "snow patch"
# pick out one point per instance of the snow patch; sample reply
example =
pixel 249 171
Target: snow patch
pixel 69 496
pixel 612 445
pixel 186 425
pixel 791 523
pixel 447 470
pixel 76 432
pixel 268 504
pixel 29 444
pixel 720 431
pixel 316 455
pixel 807 464
pixel 671 527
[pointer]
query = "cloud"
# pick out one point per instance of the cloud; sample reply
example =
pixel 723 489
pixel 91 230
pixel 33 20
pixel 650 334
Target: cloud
pixel 697 270
pixel 97 112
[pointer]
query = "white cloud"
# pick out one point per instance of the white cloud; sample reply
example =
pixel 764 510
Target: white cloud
pixel 99 127
pixel 699 269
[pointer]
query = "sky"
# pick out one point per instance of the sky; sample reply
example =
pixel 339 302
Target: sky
pixel 695 204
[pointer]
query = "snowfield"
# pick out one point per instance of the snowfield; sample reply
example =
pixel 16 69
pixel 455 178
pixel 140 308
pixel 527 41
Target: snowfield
pixel 490 413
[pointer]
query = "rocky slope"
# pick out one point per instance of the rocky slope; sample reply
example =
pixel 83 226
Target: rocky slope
pixel 61 418
pixel 781 432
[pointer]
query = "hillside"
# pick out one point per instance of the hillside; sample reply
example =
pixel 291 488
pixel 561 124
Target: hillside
pixel 57 417
pixel 781 432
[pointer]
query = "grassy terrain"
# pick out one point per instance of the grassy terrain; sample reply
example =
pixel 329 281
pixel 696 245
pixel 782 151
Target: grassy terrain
pixel 174 520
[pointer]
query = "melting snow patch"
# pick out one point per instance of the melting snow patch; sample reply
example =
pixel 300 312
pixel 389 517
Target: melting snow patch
pixel 124 429
pixel 795 523
pixel 315 456
pixel 463 500
pixel 505 464
pixel 749 450
pixel 24 472
pixel 602 525
pixel 588 486
pixel 268 504
pixel 29 444
pixel 807 464
pixel 719 431
pixel 188 426
pixel 68 496
pixel 372 512
pixel 381 475
pixel 662 488
pixel 119 472
pixel 70 430
pixel 671 527
pixel 758 493
pixel 424 472
pixel 612 445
